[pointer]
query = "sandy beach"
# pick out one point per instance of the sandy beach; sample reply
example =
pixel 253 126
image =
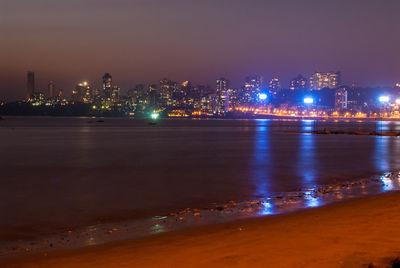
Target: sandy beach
pixel 353 233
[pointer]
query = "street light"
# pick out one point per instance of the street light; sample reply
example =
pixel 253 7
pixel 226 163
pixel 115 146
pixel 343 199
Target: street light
pixel 384 99
pixel 154 116
pixel 262 96
pixel 308 100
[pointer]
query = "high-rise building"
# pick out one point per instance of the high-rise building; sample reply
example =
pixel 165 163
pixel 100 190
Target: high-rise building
pixel 341 99
pixel 222 85
pixel 298 82
pixel 30 86
pixel 252 87
pixel 82 93
pixel 166 90
pixel 107 85
pixel 115 94
pixel 223 95
pixel 51 90
pixel 319 80
pixel 274 86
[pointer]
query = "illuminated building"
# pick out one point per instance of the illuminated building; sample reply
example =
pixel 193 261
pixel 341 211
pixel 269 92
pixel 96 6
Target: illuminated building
pixel 252 86
pixel 115 93
pixel 341 99
pixel 51 89
pixel 223 95
pixel 30 87
pixel 82 93
pixel 152 95
pixel 274 86
pixel 107 88
pixel 319 80
pixel 298 82
pixel 167 88
pixel 37 99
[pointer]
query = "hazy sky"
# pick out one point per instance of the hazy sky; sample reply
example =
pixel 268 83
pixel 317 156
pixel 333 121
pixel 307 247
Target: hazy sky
pixel 141 41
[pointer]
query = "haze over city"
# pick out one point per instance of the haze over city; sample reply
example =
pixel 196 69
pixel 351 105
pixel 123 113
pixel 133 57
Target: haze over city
pixel 144 41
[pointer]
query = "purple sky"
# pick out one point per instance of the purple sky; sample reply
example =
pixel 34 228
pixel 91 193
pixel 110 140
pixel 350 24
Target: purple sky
pixel 141 41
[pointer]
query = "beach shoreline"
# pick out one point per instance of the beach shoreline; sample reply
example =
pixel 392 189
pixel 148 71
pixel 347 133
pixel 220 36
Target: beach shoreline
pixel 350 233
pixel 129 230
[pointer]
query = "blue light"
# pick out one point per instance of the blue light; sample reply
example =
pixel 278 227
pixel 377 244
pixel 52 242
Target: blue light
pixel 308 100
pixel 262 96
pixel 384 98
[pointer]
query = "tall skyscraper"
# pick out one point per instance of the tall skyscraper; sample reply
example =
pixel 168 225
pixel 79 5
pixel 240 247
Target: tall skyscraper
pixel 319 80
pixel 252 87
pixel 107 85
pixel 298 82
pixel 223 95
pixel 341 99
pixel 83 93
pixel 166 90
pixel 51 89
pixel 274 86
pixel 30 88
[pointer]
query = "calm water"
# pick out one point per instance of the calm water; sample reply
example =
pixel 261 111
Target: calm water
pixel 66 172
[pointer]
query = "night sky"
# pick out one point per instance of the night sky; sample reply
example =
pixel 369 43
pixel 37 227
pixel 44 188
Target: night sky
pixel 141 41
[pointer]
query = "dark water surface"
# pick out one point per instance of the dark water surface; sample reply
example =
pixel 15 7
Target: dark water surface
pixel 65 172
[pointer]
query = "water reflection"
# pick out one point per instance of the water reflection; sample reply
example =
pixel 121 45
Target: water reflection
pixel 387 183
pixel 261 157
pixel 382 153
pixel 307 162
pixel 267 208
pixel 311 200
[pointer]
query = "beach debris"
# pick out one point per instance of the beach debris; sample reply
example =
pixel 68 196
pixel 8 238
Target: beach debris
pixel 396 263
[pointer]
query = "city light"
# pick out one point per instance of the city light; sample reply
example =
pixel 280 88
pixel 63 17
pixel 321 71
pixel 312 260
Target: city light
pixel 154 115
pixel 308 100
pixel 398 101
pixel 262 96
pixel 384 98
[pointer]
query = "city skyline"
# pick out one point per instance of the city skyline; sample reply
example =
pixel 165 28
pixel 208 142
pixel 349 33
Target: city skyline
pixel 198 41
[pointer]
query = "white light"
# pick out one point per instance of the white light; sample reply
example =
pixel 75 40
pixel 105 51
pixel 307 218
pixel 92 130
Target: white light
pixel 308 100
pixel 262 96
pixel 384 98
pixel 398 101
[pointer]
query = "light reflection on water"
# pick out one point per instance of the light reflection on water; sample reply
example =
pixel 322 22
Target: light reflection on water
pixel 267 208
pixel 262 158
pixel 127 166
pixel 312 201
pixel 382 153
pixel 307 162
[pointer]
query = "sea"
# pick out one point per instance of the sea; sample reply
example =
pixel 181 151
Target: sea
pixel 80 181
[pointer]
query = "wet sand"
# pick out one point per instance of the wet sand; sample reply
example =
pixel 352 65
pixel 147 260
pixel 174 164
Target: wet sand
pixel 346 234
